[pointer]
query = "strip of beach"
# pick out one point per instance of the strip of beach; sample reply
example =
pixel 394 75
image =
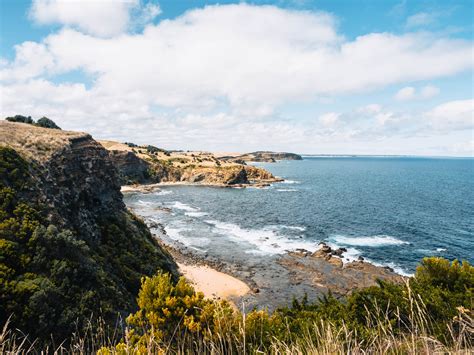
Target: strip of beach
pixel 212 283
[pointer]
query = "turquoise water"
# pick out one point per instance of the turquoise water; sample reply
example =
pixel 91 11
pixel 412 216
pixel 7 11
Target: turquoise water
pixel 390 210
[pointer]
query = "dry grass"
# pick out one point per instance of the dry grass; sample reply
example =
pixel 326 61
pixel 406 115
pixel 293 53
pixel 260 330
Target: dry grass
pixel 322 337
pixel 32 142
pixel 176 158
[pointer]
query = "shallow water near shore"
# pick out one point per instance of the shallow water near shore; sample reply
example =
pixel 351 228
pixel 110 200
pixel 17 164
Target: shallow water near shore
pixel 391 210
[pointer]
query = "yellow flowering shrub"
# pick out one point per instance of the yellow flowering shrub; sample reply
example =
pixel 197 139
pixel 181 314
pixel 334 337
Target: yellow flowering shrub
pixel 170 310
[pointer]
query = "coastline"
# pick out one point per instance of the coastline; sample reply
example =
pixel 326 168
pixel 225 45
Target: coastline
pixel 272 281
pixel 148 188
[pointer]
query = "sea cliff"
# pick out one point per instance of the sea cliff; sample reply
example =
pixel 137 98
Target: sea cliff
pixel 70 248
pixel 148 165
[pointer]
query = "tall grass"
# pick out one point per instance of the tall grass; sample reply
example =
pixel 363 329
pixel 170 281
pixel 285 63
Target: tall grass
pixel 231 336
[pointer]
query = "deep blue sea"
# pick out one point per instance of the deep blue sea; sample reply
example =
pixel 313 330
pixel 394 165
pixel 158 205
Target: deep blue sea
pixel 390 210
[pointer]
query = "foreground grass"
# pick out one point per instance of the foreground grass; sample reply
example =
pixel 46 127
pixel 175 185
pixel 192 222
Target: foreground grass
pixel 430 313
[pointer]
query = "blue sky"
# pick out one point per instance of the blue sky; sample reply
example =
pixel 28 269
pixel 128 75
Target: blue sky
pixel 357 77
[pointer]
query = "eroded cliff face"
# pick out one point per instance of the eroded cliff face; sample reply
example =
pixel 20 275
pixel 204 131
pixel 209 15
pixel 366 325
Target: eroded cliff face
pixel 137 166
pixel 130 167
pixel 80 185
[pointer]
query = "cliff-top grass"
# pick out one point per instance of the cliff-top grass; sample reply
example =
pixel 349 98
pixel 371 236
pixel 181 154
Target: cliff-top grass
pixel 180 159
pixel 32 142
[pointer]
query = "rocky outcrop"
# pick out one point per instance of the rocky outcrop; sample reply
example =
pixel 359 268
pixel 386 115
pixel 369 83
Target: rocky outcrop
pixel 325 270
pixel 132 170
pixel 256 175
pixel 138 166
pixel 79 184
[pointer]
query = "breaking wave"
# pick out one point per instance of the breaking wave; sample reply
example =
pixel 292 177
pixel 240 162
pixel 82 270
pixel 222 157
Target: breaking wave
pixel 368 241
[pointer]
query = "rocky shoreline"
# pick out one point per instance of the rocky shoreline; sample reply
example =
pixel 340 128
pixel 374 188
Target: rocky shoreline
pixel 149 188
pixel 275 280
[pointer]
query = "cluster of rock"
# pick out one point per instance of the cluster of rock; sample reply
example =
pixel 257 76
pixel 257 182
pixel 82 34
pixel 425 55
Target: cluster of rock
pixel 327 252
pixel 325 270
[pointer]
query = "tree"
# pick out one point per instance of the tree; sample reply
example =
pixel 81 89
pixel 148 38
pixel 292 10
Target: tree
pixel 20 118
pixel 47 123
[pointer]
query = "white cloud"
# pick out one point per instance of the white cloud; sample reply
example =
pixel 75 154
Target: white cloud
pixel 148 13
pixel 406 93
pixel 429 91
pixel 329 119
pixel 215 78
pixel 372 129
pixel 453 115
pixel 371 109
pixel 102 18
pixel 421 19
pixel 224 52
pixel 410 93
pixel 32 59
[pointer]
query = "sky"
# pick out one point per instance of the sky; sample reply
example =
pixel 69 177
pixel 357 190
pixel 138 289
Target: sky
pixel 313 77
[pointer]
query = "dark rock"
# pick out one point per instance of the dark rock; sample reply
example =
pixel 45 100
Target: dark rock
pixel 337 252
pixel 153 224
pixel 131 168
pixel 326 248
pixel 238 177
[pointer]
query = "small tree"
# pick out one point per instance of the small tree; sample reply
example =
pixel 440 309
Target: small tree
pixel 47 123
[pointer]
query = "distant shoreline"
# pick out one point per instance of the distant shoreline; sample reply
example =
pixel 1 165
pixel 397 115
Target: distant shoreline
pixel 383 156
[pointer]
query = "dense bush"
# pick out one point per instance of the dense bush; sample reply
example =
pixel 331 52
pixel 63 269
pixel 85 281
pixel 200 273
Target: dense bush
pixel 47 123
pixel 20 118
pixel 153 150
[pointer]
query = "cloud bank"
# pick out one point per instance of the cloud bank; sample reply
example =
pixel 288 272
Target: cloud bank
pixel 220 70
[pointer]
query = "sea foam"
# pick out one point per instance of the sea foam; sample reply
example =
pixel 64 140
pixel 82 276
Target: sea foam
pixel 368 241
pixel 289 182
pixel 196 214
pixel 267 240
pixel 163 192
pixel 184 207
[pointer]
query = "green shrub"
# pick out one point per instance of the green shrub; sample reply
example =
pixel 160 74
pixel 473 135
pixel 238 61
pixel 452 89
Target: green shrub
pixel 171 310
pixel 21 119
pixel 47 123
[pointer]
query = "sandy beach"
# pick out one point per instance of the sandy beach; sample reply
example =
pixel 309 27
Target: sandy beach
pixel 213 283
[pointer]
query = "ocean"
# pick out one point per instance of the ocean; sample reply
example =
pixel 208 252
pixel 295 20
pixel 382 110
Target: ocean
pixel 393 211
